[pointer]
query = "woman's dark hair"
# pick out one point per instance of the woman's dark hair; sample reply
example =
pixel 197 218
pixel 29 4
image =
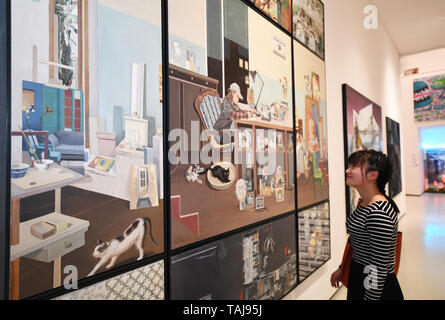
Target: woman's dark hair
pixel 376 161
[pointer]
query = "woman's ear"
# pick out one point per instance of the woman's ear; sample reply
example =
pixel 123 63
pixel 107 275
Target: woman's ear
pixel 373 175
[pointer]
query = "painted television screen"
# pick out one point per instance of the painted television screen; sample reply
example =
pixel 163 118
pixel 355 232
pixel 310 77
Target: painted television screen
pixel 231 119
pixel 86 151
pixel 258 264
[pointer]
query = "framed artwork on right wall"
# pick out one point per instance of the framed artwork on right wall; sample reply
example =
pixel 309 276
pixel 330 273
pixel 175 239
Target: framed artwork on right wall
pixel 394 154
pixel 362 131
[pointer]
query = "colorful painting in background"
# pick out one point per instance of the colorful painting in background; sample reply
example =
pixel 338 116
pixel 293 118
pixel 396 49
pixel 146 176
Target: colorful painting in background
pixel 429 98
pixel 435 170
pixel 146 283
pixel 394 154
pixel 257 264
pixel 363 130
pixel 308 24
pixel 314 239
pixel 278 10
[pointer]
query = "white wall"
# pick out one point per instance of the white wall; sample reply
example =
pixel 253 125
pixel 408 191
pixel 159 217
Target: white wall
pixel 30 26
pixel 429 63
pixel 369 62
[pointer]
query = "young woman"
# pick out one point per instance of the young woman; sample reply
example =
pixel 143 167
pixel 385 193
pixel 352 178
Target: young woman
pixel 372 229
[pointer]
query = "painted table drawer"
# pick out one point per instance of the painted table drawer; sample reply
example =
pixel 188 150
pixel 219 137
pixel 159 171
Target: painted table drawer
pixel 59 248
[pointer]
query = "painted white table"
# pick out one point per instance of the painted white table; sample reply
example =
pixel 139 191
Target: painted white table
pixel 22 246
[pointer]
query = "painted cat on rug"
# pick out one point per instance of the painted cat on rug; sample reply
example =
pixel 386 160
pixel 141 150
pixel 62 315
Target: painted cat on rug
pixel 111 250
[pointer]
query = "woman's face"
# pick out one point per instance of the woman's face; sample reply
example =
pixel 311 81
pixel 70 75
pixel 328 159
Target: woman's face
pixel 355 176
pixel 235 97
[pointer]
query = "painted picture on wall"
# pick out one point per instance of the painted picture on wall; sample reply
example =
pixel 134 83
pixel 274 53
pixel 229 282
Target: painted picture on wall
pixel 429 98
pixel 85 110
pixel 308 25
pixel 314 239
pixel 278 10
pixel 258 264
pixel 394 154
pixel 227 144
pixel 434 163
pixel 145 283
pixel 363 130
pixel 311 126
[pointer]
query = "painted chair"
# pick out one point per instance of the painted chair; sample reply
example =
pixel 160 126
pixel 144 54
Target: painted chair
pixel 318 176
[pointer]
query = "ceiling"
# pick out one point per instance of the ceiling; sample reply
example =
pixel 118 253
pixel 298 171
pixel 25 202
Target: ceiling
pixel 413 25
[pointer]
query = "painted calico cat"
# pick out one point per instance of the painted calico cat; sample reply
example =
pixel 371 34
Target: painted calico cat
pixel 111 250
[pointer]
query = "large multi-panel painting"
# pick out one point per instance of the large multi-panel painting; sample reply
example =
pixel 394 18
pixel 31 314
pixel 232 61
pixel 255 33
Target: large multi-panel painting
pixel 394 155
pixel 87 156
pixel 429 98
pixel 258 264
pixel 363 130
pixel 311 127
pixel 308 25
pixel 314 239
pixel 231 151
pixel 86 149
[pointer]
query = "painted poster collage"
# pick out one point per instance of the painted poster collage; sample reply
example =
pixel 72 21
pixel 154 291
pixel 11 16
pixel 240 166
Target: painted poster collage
pixel 215 164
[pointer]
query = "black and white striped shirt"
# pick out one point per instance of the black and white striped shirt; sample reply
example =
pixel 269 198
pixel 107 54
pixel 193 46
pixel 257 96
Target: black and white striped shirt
pixel 373 236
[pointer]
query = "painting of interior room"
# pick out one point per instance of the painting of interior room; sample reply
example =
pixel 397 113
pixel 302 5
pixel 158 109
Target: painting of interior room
pixel 238 187
pixel 86 146
pixel 363 130
pixel 311 127
pixel 314 242
pixel 394 155
pixel 429 98
pixel 308 25
pixel 258 264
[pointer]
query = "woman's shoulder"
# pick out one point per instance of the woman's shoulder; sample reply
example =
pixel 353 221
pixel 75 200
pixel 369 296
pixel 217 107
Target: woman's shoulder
pixel 381 209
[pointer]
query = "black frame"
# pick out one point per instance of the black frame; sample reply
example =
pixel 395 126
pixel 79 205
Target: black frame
pixel 5 91
pixel 5 142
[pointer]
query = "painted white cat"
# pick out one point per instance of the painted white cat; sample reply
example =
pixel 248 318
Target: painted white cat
pixel 111 250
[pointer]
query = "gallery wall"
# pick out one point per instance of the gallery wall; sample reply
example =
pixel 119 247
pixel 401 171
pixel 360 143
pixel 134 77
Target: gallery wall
pixel 429 63
pixel 368 61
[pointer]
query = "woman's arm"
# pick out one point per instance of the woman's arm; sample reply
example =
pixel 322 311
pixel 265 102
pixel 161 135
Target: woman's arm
pixel 380 227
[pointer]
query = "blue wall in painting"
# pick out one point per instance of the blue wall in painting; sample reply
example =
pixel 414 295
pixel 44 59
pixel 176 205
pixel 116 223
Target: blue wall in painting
pixel 123 40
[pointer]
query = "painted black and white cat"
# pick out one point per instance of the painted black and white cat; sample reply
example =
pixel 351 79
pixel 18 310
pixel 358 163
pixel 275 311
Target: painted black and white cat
pixel 111 250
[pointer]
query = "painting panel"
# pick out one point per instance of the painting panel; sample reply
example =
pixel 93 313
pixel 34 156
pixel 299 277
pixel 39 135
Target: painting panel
pixel 311 126
pixel 76 135
pixel 363 130
pixel 257 264
pixel 233 168
pixel 278 10
pixel 394 155
pixel 314 242
pixel 145 283
pixel 308 25
pixel 429 98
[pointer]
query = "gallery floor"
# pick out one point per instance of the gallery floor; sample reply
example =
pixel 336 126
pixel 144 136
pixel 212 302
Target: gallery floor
pixel 422 263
